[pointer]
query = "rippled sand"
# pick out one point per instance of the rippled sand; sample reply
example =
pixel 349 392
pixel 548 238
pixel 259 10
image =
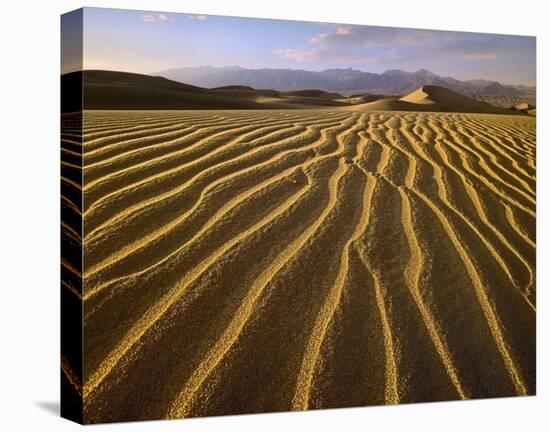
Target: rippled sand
pixel 256 261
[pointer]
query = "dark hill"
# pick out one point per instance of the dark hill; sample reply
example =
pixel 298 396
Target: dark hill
pixel 131 91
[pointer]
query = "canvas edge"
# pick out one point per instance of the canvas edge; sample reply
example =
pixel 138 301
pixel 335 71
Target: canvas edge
pixel 71 355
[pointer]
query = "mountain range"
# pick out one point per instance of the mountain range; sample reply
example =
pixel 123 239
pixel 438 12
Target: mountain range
pixel 112 90
pixel 346 81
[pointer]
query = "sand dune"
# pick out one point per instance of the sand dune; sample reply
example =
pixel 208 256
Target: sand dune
pixel 433 99
pixel 447 100
pixel 103 89
pixel 524 107
pixel 257 261
pixel 111 90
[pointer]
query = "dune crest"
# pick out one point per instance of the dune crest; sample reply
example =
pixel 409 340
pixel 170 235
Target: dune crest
pixel 431 98
pixel 443 99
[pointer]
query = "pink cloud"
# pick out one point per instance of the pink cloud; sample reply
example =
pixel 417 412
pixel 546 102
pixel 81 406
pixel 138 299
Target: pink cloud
pixel 364 36
pixel 148 18
pixel 155 18
pixel 345 30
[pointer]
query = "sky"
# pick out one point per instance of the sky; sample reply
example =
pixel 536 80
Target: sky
pixel 150 42
pixel 71 41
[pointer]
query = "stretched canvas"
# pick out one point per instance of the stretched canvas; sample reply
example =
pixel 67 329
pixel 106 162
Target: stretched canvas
pixel 265 215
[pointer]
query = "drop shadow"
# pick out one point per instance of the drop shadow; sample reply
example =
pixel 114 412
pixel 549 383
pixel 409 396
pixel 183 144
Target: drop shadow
pixel 51 407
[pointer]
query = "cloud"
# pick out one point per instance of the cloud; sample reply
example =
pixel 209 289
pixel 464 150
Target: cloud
pixel 349 44
pixel 365 36
pixel 394 45
pixel 302 55
pixel 473 50
pixel 319 38
pixel 344 30
pixel 155 18
pixel 297 54
pixel 198 17
pixel 464 48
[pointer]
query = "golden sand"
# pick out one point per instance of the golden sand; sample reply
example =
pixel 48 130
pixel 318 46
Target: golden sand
pixel 256 261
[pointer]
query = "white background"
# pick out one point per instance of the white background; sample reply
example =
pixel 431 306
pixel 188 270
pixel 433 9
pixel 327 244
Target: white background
pixel 29 212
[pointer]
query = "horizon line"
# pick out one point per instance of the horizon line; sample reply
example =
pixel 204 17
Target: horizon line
pixel 300 69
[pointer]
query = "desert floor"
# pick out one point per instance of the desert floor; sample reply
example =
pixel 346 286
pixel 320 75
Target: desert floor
pixel 253 261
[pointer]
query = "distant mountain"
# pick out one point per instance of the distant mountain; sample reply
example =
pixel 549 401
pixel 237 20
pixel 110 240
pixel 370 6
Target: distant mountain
pixel 114 90
pixel 529 90
pixel 391 82
pixel 497 89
